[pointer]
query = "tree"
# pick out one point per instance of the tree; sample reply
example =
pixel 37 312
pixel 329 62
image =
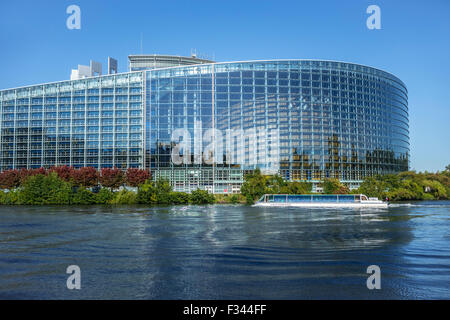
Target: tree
pixel 447 168
pixel 111 178
pixel 296 187
pixel 104 196
pixel 124 197
pixel 86 177
pixel 25 173
pixel 136 177
pixel 275 184
pixel 436 189
pixel 155 192
pixel 9 179
pixel 201 197
pixel 331 186
pixel 372 187
pixel 147 193
pixel 83 196
pixel 40 190
pixel 64 172
pixel 254 186
pixel 179 198
pixel 163 191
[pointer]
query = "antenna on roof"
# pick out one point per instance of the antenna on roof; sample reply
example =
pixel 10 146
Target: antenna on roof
pixel 141 43
pixel 194 53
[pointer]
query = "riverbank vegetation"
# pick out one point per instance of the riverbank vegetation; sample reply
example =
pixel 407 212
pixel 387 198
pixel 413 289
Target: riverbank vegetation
pixel 403 186
pixel 257 184
pixel 84 186
pixel 408 185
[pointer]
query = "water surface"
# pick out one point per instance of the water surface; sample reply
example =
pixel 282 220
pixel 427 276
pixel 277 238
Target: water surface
pixel 225 252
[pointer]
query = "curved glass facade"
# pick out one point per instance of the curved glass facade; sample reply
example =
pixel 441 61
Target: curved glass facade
pixel 332 119
pixel 204 126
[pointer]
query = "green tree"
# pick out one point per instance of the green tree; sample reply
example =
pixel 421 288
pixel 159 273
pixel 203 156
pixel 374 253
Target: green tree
pixel 40 189
pixel 147 193
pixel 83 196
pixel 274 184
pixel 9 198
pixel 372 187
pixel 254 186
pixel 179 198
pixel 436 189
pixel 124 197
pixel 296 187
pixel 201 197
pixel 163 191
pixel 234 199
pixel 104 196
pixel 331 186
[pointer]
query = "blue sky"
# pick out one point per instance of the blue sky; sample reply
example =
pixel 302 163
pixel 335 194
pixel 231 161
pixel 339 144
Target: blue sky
pixel 413 44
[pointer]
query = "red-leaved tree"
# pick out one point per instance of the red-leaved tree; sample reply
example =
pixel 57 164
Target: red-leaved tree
pixel 25 173
pixel 85 177
pixel 136 177
pixel 64 172
pixel 9 179
pixel 112 178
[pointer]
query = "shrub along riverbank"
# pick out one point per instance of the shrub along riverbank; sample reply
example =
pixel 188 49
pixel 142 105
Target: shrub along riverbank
pixel 65 185
pixel 408 185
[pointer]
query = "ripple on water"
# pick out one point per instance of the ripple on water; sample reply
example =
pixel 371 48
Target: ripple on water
pixel 225 252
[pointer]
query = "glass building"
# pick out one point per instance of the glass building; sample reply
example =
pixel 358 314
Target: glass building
pixel 206 125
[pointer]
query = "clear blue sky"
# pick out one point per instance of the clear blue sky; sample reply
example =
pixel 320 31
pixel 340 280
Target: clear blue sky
pixel 413 44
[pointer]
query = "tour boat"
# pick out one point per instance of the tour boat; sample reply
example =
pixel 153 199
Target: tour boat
pixel 320 200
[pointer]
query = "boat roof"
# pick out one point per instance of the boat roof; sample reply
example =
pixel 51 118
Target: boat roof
pixel 313 194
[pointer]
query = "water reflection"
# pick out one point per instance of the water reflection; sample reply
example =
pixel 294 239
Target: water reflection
pixel 224 252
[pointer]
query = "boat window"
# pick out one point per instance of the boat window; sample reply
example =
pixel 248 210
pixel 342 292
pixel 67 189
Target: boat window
pixel 279 198
pixel 271 198
pixel 299 198
pixel 346 198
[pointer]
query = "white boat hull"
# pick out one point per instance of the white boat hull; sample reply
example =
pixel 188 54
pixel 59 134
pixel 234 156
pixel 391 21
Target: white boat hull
pixel 367 204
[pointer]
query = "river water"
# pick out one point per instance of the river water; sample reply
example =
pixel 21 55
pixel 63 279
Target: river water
pixel 225 252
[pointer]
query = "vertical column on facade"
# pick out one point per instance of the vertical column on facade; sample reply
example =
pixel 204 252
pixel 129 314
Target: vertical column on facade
pixel 29 129
pixel 58 119
pixel 15 131
pixel 113 148
pixel 42 127
pixel 71 126
pixel 289 104
pixel 99 125
pixel 128 121
pixel 1 133
pixel 277 101
pixel 144 117
pixel 214 130
pixel 85 123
